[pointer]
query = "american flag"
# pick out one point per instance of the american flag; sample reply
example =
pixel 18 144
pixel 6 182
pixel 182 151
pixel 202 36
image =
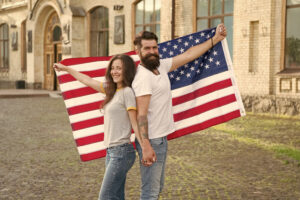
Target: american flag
pixel 204 93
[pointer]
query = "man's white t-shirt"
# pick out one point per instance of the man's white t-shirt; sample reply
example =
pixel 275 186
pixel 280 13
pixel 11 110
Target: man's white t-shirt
pixel 160 113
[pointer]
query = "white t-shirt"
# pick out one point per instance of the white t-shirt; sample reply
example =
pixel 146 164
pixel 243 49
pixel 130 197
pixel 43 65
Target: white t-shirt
pixel 160 113
pixel 117 126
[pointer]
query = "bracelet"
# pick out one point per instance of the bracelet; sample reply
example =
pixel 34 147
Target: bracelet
pixel 212 43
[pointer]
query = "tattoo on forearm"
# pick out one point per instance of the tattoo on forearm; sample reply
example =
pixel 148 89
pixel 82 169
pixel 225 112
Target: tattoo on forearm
pixel 143 126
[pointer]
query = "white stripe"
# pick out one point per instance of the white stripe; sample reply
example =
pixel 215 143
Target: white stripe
pixel 132 137
pixel 88 131
pixel 84 100
pixel 230 69
pixel 72 85
pixel 91 66
pixel 201 83
pixel 203 100
pixel 206 115
pixel 135 57
pixel 85 116
pixel 91 148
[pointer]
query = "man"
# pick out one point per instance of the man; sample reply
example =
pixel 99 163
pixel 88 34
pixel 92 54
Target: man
pixel 154 104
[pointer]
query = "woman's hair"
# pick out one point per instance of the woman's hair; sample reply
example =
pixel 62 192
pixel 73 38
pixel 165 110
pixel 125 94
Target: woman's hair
pixel 128 74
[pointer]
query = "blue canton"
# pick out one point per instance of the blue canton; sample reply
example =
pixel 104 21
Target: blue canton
pixel 211 63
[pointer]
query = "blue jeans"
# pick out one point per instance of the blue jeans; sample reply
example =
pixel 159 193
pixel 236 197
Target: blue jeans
pixel 119 159
pixel 153 176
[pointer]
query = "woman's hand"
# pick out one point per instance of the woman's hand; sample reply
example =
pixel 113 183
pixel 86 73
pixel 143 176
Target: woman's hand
pixel 60 67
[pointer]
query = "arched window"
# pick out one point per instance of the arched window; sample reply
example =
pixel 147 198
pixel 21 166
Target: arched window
pixel 212 12
pixel 99 31
pixel 56 34
pixel 292 35
pixel 4 51
pixel 147 16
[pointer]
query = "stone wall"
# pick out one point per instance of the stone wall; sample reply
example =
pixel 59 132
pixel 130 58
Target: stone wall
pixel 272 104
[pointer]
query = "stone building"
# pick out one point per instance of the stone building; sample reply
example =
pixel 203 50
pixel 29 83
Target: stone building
pixel 263 38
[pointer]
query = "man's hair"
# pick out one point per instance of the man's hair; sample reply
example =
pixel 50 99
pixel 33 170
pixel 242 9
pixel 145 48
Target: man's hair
pixel 144 35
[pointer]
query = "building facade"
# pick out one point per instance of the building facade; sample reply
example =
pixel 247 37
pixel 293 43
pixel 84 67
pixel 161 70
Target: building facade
pixel 263 38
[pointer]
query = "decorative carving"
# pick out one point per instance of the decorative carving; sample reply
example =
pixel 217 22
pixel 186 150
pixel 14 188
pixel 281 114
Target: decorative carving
pixel 66 29
pixel 119 30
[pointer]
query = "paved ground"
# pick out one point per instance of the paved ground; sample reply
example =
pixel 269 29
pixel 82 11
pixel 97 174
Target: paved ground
pixel 236 160
pixel 25 93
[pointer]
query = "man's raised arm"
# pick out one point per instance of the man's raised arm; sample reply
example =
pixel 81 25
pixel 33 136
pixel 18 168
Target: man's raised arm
pixel 198 50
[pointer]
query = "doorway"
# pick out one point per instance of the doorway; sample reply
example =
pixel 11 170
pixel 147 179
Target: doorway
pixel 52 51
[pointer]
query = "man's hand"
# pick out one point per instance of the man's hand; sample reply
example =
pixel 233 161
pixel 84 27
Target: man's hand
pixel 221 33
pixel 149 156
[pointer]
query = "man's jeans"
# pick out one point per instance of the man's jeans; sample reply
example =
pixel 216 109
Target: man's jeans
pixel 153 176
pixel 119 160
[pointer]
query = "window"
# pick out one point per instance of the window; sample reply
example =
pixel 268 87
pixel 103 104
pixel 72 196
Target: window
pixel 99 32
pixel 56 34
pixel 4 59
pixel 292 34
pixel 212 12
pixel 23 48
pixel 147 16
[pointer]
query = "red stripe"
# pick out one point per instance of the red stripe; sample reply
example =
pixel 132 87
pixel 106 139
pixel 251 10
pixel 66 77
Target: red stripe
pixel 92 156
pixel 95 73
pixel 87 123
pixel 204 107
pixel 202 91
pixel 130 53
pixel 77 61
pixel 84 108
pixel 178 133
pixel 90 139
pixel 204 125
pixel 78 92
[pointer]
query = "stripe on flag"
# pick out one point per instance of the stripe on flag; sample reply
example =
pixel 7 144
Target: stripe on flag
pixel 204 93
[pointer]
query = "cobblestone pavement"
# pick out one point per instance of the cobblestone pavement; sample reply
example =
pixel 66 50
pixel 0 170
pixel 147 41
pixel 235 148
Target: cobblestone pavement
pixel 39 160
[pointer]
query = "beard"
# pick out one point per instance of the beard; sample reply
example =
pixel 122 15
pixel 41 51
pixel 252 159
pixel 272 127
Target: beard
pixel 150 63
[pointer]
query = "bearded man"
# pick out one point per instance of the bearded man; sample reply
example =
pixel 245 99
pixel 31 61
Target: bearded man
pixel 154 105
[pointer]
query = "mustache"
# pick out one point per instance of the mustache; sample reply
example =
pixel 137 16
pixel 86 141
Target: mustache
pixel 151 54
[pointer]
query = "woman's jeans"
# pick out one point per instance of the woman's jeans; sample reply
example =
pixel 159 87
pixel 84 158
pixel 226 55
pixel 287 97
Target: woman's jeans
pixel 153 176
pixel 119 159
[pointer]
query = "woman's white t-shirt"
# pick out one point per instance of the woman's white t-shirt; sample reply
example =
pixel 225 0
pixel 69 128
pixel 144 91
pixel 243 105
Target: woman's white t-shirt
pixel 117 126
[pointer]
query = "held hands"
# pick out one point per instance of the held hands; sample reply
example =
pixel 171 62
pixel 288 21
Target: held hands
pixel 149 156
pixel 60 67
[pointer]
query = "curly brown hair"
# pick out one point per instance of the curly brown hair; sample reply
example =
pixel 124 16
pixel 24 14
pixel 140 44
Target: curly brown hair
pixel 129 70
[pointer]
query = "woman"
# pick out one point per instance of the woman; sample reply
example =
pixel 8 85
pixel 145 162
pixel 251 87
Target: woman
pixel 119 116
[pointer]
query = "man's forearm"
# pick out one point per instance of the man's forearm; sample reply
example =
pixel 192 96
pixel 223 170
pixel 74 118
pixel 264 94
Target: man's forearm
pixel 143 126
